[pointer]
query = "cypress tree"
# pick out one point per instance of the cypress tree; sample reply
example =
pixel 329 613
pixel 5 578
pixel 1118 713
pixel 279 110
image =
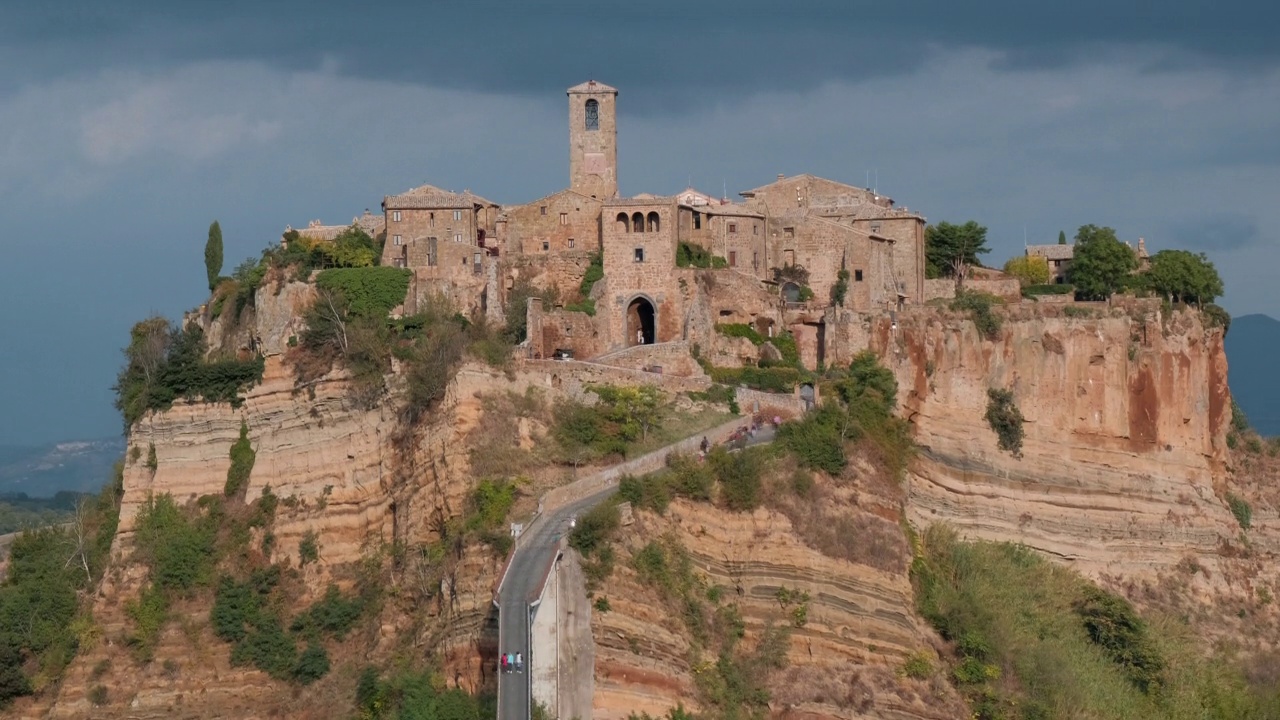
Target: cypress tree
pixel 213 254
pixel 1062 238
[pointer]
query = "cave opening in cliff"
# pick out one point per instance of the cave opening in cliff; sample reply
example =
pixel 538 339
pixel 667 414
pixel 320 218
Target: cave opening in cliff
pixel 641 322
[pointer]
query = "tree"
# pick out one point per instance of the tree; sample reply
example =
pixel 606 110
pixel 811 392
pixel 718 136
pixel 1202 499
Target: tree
pixel 1101 263
pixel 951 249
pixel 1183 276
pixel 1028 269
pixel 1062 238
pixel 213 254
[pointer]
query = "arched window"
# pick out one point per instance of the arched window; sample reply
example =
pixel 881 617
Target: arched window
pixel 653 222
pixel 624 224
pixel 637 222
pixel 593 115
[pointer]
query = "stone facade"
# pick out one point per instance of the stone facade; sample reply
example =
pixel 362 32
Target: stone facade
pixel 474 251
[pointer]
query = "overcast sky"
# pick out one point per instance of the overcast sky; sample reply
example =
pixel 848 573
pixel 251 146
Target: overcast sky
pixel 125 130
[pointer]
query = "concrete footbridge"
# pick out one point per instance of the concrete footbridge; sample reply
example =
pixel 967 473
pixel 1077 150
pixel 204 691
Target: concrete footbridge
pixel 528 579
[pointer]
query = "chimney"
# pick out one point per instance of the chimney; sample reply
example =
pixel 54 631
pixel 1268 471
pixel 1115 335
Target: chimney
pixel 1142 245
pixel 781 176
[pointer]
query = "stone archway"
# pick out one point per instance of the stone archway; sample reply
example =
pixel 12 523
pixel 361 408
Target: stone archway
pixel 642 322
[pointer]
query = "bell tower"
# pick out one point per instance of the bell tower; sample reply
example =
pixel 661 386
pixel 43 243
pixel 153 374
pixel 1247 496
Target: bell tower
pixel 593 140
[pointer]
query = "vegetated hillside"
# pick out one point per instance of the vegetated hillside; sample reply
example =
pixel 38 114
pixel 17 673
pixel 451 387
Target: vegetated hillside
pixel 40 471
pixel 1253 346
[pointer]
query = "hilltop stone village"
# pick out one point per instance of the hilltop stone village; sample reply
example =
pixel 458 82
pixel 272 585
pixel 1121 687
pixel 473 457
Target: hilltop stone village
pixel 816 258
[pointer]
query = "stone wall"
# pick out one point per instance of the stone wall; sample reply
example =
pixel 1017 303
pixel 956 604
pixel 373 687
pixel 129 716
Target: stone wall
pixel 1007 289
pixel 416 227
pixel 566 221
pixel 672 357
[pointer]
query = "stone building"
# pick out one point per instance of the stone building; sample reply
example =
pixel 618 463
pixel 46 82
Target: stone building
pixel 1059 258
pixel 777 255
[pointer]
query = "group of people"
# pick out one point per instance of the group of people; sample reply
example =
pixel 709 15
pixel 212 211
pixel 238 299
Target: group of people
pixel 741 436
pixel 512 661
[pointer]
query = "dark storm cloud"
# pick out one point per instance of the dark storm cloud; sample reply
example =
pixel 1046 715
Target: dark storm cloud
pixel 1218 233
pixel 663 51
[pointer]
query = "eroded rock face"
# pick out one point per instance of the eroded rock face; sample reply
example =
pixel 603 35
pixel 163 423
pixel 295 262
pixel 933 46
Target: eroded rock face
pixel 1125 434
pixel 840 664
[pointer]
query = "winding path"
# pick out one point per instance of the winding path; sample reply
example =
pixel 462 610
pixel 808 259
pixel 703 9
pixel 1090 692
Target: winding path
pixel 536 550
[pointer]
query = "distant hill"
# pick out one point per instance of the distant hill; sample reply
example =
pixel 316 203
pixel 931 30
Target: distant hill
pixel 41 471
pixel 1253 356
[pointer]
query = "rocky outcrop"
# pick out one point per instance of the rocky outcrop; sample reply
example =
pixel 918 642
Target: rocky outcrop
pixel 1126 412
pixel 841 663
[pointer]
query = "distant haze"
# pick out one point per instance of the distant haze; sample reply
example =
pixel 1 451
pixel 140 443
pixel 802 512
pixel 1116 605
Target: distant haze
pixel 1253 349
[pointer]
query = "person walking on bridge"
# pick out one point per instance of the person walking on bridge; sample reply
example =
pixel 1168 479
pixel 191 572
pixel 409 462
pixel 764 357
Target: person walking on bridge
pixel 519 662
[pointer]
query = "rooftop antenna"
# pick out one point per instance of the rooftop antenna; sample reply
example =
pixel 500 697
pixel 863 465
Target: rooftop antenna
pixel 876 188
pixel 724 188
pixel 868 179
pixel 1024 236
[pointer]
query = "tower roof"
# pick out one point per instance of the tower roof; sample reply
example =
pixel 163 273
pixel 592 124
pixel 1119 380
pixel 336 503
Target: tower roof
pixel 591 86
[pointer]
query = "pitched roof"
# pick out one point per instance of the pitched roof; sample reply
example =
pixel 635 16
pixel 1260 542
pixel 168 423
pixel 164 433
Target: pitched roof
pixel 719 208
pixel 430 196
pixel 591 86
pixel 637 201
pixel 1052 252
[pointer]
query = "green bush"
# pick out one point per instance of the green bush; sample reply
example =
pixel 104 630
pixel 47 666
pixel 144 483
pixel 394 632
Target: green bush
pixel 1115 627
pixel 242 458
pixel 1053 289
pixel 149 613
pixel 1005 419
pixel 773 379
pixel 739 477
pixel 594 273
pixel 332 615
pixel 841 287
pixel 369 291
pixel 741 330
pixel 1216 317
pixel 918 666
pixel 595 529
pixel 978 305
pixel 312 665
pixel 308 548
pixel 165 363
pixel 1076 311
pixel 178 546
pixel 693 255
pixel 817 439
pixel 1241 509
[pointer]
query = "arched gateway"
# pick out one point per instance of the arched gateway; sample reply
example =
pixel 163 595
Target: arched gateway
pixel 642 322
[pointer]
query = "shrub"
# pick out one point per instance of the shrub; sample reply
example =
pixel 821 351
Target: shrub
pixel 595 529
pixel 741 330
pixel 978 305
pixel 332 615
pixel 594 273
pixel 1075 311
pixel 773 379
pixel 369 291
pixel 602 604
pixel 308 548
pixel 739 477
pixel 176 545
pixel 98 696
pixel 918 666
pixel 242 457
pixel 692 255
pixel 1216 317
pixel 1115 627
pixel 1005 419
pixel 1030 270
pixel 1241 509
pixel 149 614
pixel 817 440
pixel 312 664
pixel 153 463
pixel 841 287
pixel 1048 289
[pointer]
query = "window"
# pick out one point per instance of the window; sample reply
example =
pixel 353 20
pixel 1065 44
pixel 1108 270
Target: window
pixel 431 219
pixel 395 217
pixel 857 276
pixel 464 260
pixel 593 115
pixel 755 261
pixel 755 229
pixel 654 222
pixel 457 237
pixel 733 258
pixel 397 240
pixel 697 220
pixel 570 243
pixel 733 228
pixel 543 209
pixel 639 255
pixel 564 218
pixel 457 214
pixel 546 246
pixel 875 227
pixel 789 232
